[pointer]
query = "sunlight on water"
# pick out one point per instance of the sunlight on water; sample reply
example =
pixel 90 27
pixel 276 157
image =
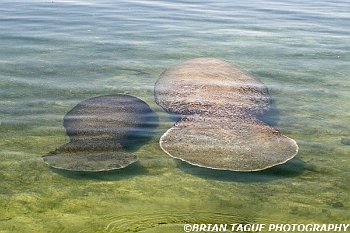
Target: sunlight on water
pixel 54 54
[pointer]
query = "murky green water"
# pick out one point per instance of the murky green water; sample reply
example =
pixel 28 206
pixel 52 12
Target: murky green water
pixel 55 54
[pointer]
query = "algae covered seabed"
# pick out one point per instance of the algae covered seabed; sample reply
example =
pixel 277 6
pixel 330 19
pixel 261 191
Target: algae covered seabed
pixel 54 54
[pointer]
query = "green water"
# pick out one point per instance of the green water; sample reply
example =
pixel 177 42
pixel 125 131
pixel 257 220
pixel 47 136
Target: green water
pixel 55 54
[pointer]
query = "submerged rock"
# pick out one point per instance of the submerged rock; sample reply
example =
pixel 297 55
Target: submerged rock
pixel 99 130
pixel 218 128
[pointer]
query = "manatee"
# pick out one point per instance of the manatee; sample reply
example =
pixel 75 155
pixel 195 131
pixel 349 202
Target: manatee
pixel 100 130
pixel 345 141
pixel 212 86
pixel 218 127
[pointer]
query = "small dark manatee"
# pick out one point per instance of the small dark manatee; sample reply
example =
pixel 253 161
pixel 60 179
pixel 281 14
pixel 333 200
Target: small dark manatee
pixel 101 131
pixel 219 128
pixel 345 141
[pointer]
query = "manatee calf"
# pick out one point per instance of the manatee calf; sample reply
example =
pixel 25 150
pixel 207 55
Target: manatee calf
pixel 99 131
pixel 218 127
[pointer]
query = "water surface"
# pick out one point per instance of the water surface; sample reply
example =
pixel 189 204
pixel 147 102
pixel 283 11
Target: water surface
pixel 54 54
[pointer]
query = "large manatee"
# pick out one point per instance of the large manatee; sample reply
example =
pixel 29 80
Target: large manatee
pixel 218 127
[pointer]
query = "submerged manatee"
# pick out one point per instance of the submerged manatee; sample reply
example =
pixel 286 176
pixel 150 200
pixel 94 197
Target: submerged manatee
pixel 218 127
pixel 100 130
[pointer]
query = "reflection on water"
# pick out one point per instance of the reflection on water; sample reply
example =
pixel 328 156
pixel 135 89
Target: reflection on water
pixel 54 54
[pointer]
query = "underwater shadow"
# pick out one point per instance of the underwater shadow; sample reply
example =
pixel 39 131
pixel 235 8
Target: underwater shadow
pixel 292 168
pixel 128 172
pixel 272 116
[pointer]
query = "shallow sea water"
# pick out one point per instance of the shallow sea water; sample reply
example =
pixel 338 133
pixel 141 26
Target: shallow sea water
pixel 54 54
